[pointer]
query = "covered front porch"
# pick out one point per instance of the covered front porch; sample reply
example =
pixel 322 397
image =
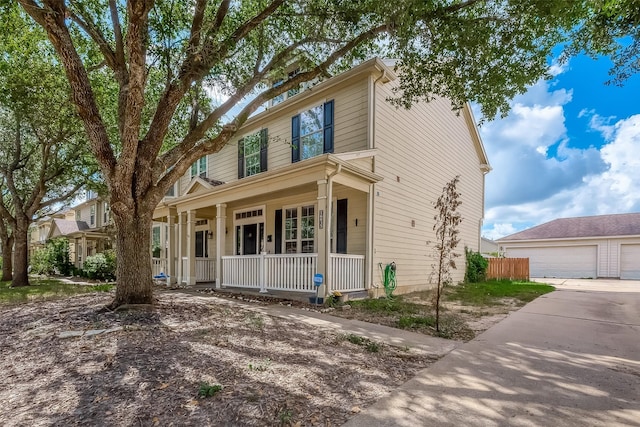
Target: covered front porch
pixel 274 231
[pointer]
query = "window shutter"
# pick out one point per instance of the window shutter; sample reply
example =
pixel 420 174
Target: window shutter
pixel 263 149
pixel 295 138
pixel 241 158
pixel 328 127
pixel 278 232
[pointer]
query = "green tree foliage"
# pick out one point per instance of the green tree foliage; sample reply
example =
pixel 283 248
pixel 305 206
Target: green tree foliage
pixel 612 28
pixel 43 152
pixel 476 267
pixel 139 70
pixel 447 221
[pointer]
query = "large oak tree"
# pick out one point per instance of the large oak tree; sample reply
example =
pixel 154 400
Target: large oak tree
pixel 156 53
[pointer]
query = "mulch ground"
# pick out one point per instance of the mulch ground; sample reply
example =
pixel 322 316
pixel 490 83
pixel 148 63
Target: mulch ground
pixel 149 371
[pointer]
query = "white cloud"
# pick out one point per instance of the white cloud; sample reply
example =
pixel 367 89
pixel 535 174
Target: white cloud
pixel 539 176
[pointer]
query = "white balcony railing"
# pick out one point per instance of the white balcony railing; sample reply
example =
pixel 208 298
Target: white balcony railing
pixel 347 272
pixel 159 265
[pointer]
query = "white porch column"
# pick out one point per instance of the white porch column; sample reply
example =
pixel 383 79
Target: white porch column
pixel 84 250
pixel 322 232
pixel 181 247
pixel 368 257
pixel 191 247
pixel 221 232
pixel 171 246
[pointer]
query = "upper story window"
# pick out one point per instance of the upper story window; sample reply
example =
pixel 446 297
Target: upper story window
pixel 90 194
pixel 278 99
pixel 199 167
pixel 78 215
pixel 252 154
pixel 171 192
pixel 312 132
pixel 92 215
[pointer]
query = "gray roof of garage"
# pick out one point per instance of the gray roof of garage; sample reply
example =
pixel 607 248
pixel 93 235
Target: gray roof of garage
pixel 585 226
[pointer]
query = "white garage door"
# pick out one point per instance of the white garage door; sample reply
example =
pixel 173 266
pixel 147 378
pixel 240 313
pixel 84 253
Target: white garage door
pixel 630 261
pixel 559 261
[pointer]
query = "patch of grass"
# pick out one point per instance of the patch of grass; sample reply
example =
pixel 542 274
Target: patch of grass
pixel 370 346
pixel 415 322
pixel 488 293
pixel 285 416
pixel 208 390
pixel 386 305
pixel 45 289
pixel 255 320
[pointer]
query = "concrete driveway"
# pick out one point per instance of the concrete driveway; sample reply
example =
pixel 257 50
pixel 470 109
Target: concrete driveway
pixel 569 358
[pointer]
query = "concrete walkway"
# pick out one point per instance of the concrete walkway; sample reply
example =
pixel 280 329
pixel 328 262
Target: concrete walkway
pixel 570 358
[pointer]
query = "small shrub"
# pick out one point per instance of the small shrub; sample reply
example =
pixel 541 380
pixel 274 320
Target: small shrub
pixel 101 266
pixel 285 416
pixel 52 259
pixel 208 390
pixel 476 267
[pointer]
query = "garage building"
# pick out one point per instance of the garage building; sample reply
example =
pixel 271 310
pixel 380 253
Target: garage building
pixel 582 247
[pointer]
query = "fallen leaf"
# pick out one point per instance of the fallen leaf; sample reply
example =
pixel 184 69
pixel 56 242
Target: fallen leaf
pixel 162 386
pixel 355 409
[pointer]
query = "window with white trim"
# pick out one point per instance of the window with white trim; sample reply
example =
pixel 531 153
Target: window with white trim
pixel 92 215
pixel 311 132
pixel 105 213
pixel 299 229
pixel 252 154
pixel 199 167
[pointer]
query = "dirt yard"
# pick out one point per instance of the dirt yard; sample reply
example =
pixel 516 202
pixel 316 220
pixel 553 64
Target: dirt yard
pixel 147 368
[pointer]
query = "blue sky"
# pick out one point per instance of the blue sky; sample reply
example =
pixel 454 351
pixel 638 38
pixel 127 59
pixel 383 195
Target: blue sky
pixel 569 147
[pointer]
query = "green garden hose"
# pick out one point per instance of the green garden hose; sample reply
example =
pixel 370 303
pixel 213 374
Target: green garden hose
pixel 389 278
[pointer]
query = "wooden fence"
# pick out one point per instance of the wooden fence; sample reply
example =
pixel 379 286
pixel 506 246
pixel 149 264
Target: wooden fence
pixel 508 268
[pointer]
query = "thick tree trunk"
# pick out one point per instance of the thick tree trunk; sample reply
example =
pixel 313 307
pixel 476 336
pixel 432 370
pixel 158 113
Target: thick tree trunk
pixel 21 255
pixel 133 257
pixel 7 259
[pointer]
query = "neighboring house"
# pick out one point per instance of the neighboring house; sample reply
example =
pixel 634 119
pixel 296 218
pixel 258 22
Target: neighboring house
pixel 332 180
pixel 40 232
pixel 583 247
pixel 84 225
pixel 489 247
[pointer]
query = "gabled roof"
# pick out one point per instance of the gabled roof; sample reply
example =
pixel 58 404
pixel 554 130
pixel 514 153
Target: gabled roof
pixel 586 226
pixel 66 226
pixel 199 183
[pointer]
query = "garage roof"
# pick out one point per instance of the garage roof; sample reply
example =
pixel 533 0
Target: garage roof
pixel 585 226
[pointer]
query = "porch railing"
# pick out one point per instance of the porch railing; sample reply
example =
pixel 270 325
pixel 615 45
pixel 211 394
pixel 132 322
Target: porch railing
pixel 205 269
pixel 347 272
pixel 159 265
pixel 287 272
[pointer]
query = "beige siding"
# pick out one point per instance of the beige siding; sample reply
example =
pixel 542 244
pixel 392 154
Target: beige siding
pixel 350 131
pixel 419 151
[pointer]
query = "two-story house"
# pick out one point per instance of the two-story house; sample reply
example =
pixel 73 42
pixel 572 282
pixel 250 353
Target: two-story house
pixel 332 180
pixel 83 225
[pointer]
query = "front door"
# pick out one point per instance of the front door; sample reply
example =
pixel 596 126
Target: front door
pixel 250 239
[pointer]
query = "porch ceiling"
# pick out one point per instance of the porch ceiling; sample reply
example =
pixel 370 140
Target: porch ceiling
pixel 296 178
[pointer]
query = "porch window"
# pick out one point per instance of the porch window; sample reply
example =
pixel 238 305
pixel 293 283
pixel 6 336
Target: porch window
pixel 202 250
pixel 199 167
pixel 299 229
pixel 312 132
pixel 92 215
pixel 252 154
